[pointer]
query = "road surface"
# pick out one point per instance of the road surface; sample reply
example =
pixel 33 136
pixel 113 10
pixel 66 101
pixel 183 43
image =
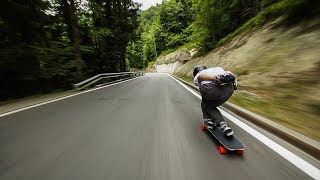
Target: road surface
pixel 146 128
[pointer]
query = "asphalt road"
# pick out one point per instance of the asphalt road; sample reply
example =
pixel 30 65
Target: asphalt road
pixel 146 128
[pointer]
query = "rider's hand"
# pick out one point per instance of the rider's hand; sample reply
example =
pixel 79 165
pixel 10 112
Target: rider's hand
pixel 229 78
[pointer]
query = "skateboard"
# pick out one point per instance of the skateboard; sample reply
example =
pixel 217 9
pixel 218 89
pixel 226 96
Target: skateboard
pixel 228 144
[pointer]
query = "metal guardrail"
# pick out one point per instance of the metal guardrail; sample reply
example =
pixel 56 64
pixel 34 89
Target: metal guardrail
pixel 95 79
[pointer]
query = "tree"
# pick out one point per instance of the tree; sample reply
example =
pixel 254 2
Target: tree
pixel 21 24
pixel 40 40
pixel 120 17
pixel 71 20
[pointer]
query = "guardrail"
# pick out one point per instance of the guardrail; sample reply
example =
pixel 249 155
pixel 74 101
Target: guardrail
pixel 98 78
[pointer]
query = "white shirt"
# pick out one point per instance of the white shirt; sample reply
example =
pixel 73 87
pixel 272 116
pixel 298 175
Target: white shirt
pixel 214 71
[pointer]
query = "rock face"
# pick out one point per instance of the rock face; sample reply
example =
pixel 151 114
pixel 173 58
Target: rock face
pixel 168 68
pixel 171 62
pixel 170 58
pixel 183 56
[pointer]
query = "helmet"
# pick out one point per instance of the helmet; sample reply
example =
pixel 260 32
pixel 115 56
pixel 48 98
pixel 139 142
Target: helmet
pixel 198 69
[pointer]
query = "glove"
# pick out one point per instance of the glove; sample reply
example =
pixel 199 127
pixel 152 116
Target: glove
pixel 229 78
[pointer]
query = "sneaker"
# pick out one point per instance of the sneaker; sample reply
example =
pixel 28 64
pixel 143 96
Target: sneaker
pixel 209 123
pixel 226 129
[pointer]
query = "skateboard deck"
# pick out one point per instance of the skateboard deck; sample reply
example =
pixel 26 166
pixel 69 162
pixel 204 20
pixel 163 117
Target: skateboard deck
pixel 228 143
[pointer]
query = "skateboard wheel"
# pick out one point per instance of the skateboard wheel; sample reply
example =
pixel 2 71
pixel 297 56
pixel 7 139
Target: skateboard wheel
pixel 240 152
pixel 222 150
pixel 203 127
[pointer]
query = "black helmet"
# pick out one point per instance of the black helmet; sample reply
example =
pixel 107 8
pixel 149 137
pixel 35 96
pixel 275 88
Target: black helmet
pixel 198 69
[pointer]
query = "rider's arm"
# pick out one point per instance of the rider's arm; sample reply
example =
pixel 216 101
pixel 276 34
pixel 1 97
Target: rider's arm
pixel 206 77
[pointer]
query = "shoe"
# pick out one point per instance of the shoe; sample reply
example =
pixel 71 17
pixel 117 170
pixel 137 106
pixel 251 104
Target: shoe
pixel 226 129
pixel 210 124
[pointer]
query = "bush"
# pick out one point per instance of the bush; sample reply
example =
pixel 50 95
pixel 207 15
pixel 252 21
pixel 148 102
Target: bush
pixel 291 11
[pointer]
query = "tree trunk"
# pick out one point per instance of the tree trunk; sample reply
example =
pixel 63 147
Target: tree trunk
pixel 69 13
pixel 123 60
pixel 76 39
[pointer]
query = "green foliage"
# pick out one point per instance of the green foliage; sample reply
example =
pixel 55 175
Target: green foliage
pixel 37 47
pixel 98 35
pixel 216 19
pixel 163 28
pixel 135 54
pixel 290 11
pixel 219 21
pixel 151 63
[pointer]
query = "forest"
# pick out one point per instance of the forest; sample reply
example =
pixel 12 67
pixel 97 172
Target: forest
pixel 206 24
pixel 47 45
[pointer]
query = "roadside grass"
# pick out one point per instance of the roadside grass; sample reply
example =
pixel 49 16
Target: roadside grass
pixel 185 77
pixel 283 104
pixel 285 109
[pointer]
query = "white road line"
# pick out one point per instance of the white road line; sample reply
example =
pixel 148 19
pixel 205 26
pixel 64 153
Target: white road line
pixel 291 157
pixel 58 99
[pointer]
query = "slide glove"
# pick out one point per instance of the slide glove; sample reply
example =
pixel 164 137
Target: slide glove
pixel 229 78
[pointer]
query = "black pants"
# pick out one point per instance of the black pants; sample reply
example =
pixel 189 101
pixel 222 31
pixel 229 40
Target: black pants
pixel 213 96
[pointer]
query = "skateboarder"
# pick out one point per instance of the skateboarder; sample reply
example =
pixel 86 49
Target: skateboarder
pixel 216 86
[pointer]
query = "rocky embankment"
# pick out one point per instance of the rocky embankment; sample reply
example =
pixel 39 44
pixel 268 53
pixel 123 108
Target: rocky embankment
pixel 171 62
pixel 278 69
